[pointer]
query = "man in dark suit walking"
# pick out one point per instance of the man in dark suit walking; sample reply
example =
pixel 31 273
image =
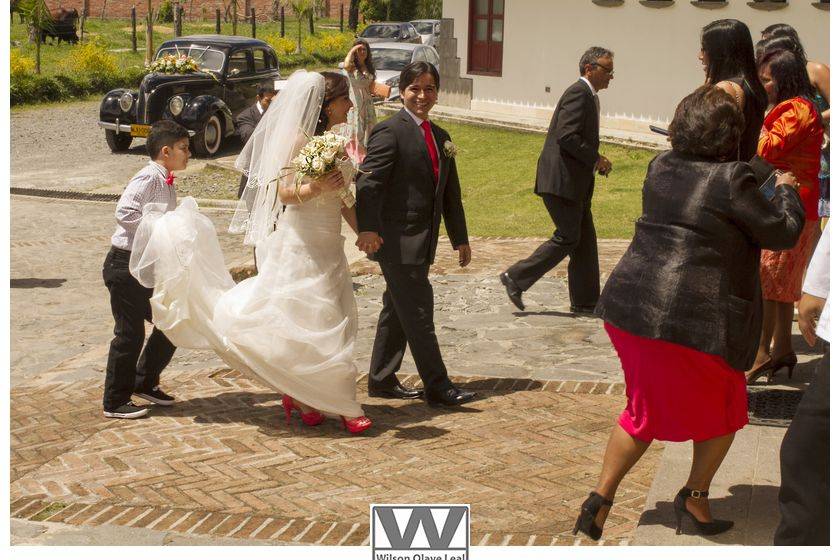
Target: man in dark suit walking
pixel 408 181
pixel 565 181
pixel 246 121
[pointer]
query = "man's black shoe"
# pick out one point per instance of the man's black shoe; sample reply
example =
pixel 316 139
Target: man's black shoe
pixel 450 397
pixel 582 309
pixel 394 390
pixel 155 395
pixel 514 293
pixel 128 410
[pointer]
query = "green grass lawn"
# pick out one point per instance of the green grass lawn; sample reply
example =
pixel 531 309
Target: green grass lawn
pixel 116 33
pixel 497 170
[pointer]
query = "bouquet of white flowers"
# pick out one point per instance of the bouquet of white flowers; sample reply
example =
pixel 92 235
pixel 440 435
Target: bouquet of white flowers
pixel 173 64
pixel 320 156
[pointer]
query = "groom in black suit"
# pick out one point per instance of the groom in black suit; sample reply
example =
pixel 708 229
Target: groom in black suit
pixel 408 181
pixel 565 181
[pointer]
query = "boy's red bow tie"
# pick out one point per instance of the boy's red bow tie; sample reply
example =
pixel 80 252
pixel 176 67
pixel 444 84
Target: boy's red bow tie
pixel 170 179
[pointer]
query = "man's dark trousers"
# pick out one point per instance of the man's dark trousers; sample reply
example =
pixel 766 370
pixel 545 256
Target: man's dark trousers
pixel 124 374
pixel 574 237
pixel 407 316
pixel 804 491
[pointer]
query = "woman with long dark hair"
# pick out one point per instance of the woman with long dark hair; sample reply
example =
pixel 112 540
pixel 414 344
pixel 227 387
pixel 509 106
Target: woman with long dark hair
pixel 726 52
pixel 680 306
pixel 791 140
pixel 820 77
pixel 363 86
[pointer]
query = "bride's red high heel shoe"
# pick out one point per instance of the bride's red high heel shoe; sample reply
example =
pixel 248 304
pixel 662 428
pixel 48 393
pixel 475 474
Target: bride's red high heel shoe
pixel 312 418
pixel 356 425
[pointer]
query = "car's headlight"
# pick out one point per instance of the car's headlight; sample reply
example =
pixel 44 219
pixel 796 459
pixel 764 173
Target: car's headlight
pixel 126 101
pixel 176 105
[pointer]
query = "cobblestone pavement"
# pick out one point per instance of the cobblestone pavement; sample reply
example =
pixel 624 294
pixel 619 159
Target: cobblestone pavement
pixel 61 322
pixel 223 463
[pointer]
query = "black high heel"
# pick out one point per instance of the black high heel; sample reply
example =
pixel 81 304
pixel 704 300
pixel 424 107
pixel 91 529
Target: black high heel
pixel 713 527
pixel 788 361
pixel 588 511
pixel 764 369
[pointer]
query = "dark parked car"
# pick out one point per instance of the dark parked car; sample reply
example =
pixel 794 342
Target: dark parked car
pixel 391 32
pixel 204 102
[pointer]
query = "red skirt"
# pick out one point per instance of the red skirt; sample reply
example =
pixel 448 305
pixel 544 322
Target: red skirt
pixel 676 393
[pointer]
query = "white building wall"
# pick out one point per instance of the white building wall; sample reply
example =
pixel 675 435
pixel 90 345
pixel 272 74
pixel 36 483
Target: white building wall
pixel 656 52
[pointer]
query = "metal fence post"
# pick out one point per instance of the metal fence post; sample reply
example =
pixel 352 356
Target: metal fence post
pixel 218 21
pixel 341 17
pixel 253 23
pixel 282 21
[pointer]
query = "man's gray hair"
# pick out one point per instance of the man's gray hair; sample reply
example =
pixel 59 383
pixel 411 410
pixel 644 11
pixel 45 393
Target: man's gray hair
pixel 591 56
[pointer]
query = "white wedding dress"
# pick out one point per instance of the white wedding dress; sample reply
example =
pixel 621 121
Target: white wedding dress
pixel 293 325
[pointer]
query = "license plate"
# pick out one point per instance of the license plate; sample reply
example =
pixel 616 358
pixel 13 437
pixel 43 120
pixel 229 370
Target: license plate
pixel 140 130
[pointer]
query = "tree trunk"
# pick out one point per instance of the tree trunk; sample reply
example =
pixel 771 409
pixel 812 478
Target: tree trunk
pixel 312 21
pixel 353 16
pixel 150 51
pixel 300 33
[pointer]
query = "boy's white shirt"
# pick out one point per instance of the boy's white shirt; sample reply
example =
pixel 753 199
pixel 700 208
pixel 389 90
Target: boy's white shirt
pixel 147 186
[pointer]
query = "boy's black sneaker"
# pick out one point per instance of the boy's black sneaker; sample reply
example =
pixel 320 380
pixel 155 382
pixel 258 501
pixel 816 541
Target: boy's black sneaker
pixel 128 410
pixel 155 395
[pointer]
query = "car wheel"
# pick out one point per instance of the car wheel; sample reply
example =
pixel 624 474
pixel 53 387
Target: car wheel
pixel 208 140
pixel 117 141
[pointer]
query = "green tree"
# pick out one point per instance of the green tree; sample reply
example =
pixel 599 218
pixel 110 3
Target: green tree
pixel 429 9
pixel 303 9
pixel 37 15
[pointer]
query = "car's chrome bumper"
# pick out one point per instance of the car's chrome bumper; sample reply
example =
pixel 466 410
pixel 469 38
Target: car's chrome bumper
pixel 116 126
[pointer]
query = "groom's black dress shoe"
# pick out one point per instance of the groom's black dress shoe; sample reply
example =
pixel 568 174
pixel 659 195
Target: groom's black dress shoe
pixel 513 292
pixel 449 397
pixel 393 390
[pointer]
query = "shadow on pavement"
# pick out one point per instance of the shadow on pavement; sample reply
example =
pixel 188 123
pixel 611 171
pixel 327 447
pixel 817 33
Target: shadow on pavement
pixel 37 282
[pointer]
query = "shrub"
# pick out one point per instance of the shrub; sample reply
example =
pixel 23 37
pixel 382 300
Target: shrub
pixel 296 60
pixel 331 47
pixel 91 58
pixel 20 65
pixel 282 45
pixel 166 13
pixel 30 88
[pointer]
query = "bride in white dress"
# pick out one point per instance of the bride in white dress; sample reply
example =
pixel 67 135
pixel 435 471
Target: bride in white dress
pixel 294 324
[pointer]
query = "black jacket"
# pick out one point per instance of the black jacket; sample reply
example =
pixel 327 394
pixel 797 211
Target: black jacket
pixel 246 121
pixel 566 167
pixel 691 273
pixel 397 196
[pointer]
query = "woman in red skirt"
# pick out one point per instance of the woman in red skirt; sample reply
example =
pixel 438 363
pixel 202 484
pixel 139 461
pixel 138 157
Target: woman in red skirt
pixel 791 140
pixel 683 306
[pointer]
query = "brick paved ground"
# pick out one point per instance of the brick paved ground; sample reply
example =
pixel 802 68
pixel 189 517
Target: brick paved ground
pixel 224 463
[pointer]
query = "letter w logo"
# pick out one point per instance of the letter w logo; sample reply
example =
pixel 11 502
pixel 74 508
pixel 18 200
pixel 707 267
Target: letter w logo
pixel 420 515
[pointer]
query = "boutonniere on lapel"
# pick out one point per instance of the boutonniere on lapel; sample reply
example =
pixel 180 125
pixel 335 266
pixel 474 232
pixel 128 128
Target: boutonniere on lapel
pixel 450 149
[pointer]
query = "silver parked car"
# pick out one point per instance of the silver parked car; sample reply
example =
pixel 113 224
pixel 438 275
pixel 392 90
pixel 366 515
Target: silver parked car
pixel 392 32
pixel 389 59
pixel 429 30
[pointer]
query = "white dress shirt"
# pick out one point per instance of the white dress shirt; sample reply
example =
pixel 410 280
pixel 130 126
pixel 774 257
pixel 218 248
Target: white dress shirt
pixel 260 108
pixel 148 185
pixel 817 282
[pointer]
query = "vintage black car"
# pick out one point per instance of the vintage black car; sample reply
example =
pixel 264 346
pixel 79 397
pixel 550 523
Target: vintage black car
pixel 204 102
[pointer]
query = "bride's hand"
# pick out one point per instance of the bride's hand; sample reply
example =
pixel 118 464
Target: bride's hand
pixel 332 181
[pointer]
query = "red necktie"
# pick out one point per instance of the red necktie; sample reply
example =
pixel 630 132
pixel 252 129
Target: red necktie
pixel 430 144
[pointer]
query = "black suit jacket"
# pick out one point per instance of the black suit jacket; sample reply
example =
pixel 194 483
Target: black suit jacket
pixel 398 198
pixel 567 162
pixel 691 273
pixel 246 121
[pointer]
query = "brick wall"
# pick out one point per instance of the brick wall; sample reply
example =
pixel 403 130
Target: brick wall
pixel 192 8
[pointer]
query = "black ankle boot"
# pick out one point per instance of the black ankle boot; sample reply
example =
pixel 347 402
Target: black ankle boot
pixel 713 527
pixel 588 511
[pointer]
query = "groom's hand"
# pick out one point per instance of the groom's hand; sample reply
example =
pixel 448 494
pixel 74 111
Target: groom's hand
pixel 369 242
pixel 464 254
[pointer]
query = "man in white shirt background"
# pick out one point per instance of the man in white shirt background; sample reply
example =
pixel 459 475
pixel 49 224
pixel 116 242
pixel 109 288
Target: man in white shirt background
pixel 804 490
pixel 245 122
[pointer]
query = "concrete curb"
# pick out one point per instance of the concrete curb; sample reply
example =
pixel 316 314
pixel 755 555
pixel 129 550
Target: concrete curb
pixel 108 197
